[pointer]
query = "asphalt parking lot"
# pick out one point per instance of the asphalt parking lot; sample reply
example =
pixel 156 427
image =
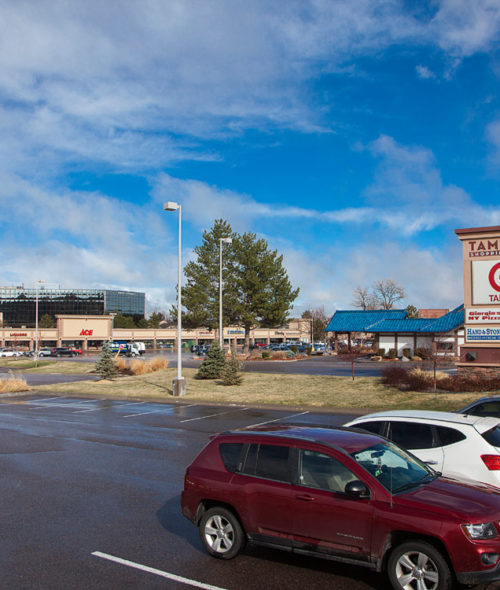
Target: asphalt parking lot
pixel 90 492
pixel 90 499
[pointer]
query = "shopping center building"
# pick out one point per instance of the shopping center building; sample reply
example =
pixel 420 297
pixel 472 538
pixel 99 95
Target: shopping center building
pixel 88 332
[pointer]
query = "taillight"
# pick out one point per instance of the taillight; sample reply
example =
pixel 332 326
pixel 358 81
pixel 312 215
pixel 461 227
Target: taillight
pixel 492 462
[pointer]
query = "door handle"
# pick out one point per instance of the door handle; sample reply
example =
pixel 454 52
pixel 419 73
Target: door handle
pixel 305 497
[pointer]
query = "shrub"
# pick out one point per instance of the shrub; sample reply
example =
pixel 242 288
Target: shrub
pixel 294 349
pixel 11 384
pixel 394 376
pixel 211 367
pixel 105 365
pixel 158 363
pixel 231 374
pixel 407 353
pixel 278 355
pixel 381 352
pixel 266 354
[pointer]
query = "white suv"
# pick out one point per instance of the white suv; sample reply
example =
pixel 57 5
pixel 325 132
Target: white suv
pixel 457 445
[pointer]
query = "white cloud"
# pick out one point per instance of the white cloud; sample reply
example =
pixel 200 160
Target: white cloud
pixel 424 72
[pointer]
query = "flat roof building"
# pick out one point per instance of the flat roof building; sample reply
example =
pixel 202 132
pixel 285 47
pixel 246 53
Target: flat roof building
pixel 18 305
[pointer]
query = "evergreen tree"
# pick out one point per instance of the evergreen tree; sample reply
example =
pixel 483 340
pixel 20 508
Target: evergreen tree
pixel 231 374
pixel 105 365
pixel 46 321
pixel 213 364
pixel 155 318
pixel 256 288
pixel 123 321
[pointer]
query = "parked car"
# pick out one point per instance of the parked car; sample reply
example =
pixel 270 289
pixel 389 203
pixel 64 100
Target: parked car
pixel 485 406
pixel 344 495
pixel 199 349
pixel 63 351
pixel 78 351
pixel 456 445
pixel 8 352
pixel 45 352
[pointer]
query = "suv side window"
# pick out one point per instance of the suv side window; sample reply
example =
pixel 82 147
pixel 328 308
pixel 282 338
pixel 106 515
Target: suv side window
pixel 375 427
pixel 449 436
pixel 318 470
pixel 268 461
pixel 411 435
pixel 231 455
pixel 486 409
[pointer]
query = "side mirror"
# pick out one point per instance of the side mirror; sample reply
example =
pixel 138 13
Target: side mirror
pixel 357 489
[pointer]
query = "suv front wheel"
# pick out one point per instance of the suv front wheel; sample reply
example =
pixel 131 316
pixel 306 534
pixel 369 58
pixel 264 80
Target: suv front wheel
pixel 416 564
pixel 221 533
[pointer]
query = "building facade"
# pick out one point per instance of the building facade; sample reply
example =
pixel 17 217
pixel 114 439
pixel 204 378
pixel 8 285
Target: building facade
pixel 18 305
pixel 89 333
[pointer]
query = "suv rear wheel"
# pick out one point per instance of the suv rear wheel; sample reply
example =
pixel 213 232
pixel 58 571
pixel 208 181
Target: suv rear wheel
pixel 418 565
pixel 221 533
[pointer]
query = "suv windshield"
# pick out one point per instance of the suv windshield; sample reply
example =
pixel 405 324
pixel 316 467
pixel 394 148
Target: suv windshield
pixel 395 469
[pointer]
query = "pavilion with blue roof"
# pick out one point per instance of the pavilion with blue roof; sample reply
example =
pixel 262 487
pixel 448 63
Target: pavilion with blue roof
pixel 393 329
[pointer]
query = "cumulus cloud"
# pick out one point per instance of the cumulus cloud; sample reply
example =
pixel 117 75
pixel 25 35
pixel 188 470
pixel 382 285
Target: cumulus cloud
pixel 424 72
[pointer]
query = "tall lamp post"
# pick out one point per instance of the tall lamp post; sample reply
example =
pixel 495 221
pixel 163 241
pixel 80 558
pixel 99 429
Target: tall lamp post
pixel 221 327
pixel 36 320
pixel 179 383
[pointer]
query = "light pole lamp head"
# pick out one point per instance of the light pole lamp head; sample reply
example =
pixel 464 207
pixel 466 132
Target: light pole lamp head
pixel 171 206
pixel 226 240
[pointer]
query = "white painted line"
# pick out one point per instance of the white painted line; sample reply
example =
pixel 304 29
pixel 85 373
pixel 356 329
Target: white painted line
pixel 141 413
pixel 91 410
pixel 44 399
pixel 277 420
pixel 212 415
pixel 152 570
pixel 129 404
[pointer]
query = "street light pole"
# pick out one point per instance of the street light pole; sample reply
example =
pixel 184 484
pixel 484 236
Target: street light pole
pixel 221 327
pixel 179 384
pixel 36 321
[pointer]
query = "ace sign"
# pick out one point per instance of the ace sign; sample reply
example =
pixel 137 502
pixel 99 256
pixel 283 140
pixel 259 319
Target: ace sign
pixel 485 282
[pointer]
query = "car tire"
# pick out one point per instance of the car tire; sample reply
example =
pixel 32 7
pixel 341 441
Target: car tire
pixel 419 563
pixel 221 533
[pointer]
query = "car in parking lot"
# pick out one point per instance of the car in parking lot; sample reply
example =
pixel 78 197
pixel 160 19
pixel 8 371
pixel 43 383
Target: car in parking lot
pixel 63 351
pixel 344 495
pixel 485 406
pixel 9 352
pixel 45 352
pixel 456 445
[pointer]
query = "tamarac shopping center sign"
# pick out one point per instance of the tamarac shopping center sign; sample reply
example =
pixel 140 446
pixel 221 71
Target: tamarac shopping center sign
pixel 485 282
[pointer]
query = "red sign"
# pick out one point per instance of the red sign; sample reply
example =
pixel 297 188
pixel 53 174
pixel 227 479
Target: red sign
pixel 86 332
pixel 494 280
pixel 18 334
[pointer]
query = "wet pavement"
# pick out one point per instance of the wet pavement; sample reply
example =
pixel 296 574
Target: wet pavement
pixel 90 493
pixel 83 480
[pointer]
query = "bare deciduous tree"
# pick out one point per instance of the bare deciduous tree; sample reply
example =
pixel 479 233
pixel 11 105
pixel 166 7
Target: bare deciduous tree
pixel 388 292
pixel 365 298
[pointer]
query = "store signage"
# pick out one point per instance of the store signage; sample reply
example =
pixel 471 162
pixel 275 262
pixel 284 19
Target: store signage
pixel 482 334
pixel 18 334
pixel 86 332
pixel 236 331
pixel 481 248
pixel 485 282
pixel 485 315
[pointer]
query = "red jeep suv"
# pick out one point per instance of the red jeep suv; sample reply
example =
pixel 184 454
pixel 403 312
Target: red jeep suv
pixel 343 495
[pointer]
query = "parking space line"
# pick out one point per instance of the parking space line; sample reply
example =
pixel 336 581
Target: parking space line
pixel 277 419
pixel 91 410
pixel 141 413
pixel 126 404
pixel 213 415
pixel 44 399
pixel 152 570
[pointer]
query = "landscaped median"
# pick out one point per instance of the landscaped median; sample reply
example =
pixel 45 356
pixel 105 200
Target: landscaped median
pixel 266 389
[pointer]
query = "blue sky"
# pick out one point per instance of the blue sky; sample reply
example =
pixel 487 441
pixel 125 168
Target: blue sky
pixel 353 135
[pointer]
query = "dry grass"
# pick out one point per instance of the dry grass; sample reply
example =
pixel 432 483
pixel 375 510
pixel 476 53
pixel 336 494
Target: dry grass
pixel 142 367
pixel 270 389
pixel 428 374
pixel 13 384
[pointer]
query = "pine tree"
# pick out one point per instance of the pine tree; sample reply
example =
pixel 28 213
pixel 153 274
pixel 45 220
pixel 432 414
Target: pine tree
pixel 213 364
pixel 105 365
pixel 231 372
pixel 256 288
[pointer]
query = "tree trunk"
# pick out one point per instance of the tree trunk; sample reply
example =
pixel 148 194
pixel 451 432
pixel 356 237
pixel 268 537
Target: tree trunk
pixel 246 347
